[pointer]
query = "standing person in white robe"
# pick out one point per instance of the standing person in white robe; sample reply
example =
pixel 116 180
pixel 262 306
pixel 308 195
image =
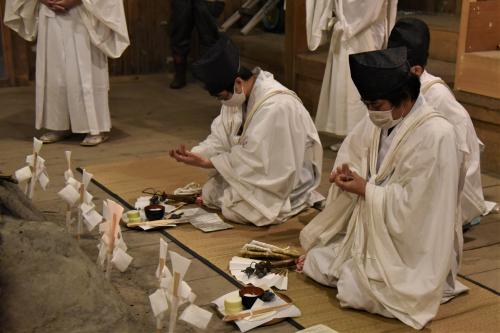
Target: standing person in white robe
pixel 74 39
pixel 414 34
pixel 263 148
pixel 358 26
pixel 389 238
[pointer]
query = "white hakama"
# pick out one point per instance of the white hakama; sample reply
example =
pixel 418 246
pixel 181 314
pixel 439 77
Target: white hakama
pixel 358 26
pixel 266 173
pixel 396 251
pixel 72 79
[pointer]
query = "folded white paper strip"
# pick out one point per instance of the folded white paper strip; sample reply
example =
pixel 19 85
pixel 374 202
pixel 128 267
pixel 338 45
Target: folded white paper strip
pixel 101 258
pixel 40 161
pixel 73 182
pixel 114 209
pixel 87 198
pixel 103 227
pixel 85 208
pixel 196 316
pixel 92 218
pixel 43 179
pixel 69 194
pixel 37 145
pixel 86 177
pixel 158 302
pixel 23 174
pixel 121 260
pixel 209 223
pixel 179 264
pixel 246 325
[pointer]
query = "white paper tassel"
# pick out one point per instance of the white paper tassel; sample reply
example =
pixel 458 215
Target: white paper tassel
pixel 196 316
pixel 73 182
pixel 69 194
pixel 87 198
pixel 159 303
pixel 37 145
pixel 121 260
pixel 179 264
pixel 43 180
pixel 92 219
pixel 86 177
pixel 101 258
pixel 23 174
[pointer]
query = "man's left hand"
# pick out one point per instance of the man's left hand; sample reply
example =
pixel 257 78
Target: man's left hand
pixel 349 181
pixel 185 156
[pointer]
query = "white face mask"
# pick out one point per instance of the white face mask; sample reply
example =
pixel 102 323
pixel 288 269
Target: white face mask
pixel 383 119
pixel 236 100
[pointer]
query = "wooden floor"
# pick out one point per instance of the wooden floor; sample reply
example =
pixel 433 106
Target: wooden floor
pixel 148 119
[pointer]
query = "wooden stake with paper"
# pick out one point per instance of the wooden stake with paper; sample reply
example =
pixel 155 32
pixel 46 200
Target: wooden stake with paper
pixel 175 303
pixel 111 246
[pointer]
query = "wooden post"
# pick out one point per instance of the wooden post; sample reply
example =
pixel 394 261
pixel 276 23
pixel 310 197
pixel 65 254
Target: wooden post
pixel 68 217
pixel 175 303
pixel 295 37
pixel 80 217
pixel 33 179
pixel 159 319
pixel 111 247
pixel 68 207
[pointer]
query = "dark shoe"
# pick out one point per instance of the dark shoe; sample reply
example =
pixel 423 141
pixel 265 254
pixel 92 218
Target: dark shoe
pixel 179 77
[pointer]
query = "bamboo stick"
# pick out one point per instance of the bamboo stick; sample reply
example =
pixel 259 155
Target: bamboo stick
pixel 256 312
pixel 32 181
pixel 111 247
pixel 175 303
pixel 158 223
pixel 159 319
pixel 80 217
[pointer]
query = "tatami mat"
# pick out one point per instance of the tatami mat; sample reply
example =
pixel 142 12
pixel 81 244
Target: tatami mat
pixel 476 311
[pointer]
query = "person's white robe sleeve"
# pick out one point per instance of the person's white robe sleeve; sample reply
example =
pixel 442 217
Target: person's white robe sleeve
pixel 22 17
pixel 442 100
pixel 217 141
pixel 319 20
pixel 106 25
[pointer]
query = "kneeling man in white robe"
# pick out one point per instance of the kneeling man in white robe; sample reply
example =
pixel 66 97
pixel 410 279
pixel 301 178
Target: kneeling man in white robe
pixel 263 148
pixel 414 34
pixel 390 237
pixel 74 40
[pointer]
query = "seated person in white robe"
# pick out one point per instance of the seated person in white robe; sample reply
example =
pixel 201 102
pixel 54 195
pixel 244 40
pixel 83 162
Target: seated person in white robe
pixel 74 40
pixel 389 238
pixel 414 34
pixel 263 148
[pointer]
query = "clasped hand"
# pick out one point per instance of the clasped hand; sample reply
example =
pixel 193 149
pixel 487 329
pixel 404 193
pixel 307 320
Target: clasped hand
pixel 60 6
pixel 348 180
pixel 185 156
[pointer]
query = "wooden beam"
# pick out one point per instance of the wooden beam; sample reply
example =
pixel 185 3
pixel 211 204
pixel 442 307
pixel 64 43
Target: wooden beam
pixel 295 37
